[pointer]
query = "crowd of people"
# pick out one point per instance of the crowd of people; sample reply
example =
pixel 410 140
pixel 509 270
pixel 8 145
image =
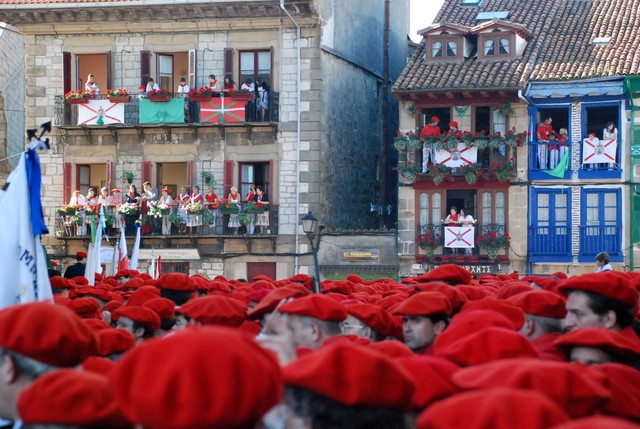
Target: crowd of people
pixel 438 350
pixel 157 207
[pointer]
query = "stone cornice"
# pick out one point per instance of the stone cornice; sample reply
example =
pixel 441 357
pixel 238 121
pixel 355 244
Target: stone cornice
pixel 123 16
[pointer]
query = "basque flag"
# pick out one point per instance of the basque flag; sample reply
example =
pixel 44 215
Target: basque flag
pixel 23 270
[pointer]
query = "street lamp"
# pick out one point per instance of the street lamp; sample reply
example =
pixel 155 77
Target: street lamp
pixel 311 227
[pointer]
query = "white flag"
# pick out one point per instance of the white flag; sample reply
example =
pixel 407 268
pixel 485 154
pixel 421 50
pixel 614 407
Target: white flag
pixel 133 263
pixel 459 237
pixel 93 255
pixel 458 157
pixel 23 268
pixel 123 259
pixel 113 269
pixel 596 151
pixel 100 112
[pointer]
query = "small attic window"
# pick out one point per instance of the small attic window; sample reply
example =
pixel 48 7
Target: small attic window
pixel 487 16
pixel 471 2
pixel 601 40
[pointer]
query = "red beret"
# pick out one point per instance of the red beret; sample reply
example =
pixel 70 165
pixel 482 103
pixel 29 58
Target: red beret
pixel 94 292
pixel 140 315
pixel 453 124
pixel 611 284
pixel 71 397
pixel 258 295
pixel 576 388
pixel 468 323
pixel 115 190
pixel 142 295
pixel 392 348
pixel 215 310
pixel 261 277
pixel 123 273
pixel 164 190
pixel 423 304
pixel 48 333
pixel 605 339
pixel 96 324
pixel 80 280
pixel 352 375
pixel 114 340
pixel 58 282
pixel 454 295
pixel 447 272
pixel 512 289
pixel 131 284
pixel 473 293
pixel 498 408
pixel 176 281
pixel 507 309
pixel 163 306
pixel 112 305
pixel 317 306
pixel 599 422
pixel 488 345
pixel 541 303
pixel 435 119
pixel 624 383
pixel 432 378
pixel 77 192
pixel 81 254
pixel 235 383
pixel 373 316
pixel 87 308
pixel 559 275
pixel 271 300
pixel 98 365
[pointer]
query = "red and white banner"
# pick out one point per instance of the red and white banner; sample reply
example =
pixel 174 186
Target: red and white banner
pixel 595 151
pixel 458 157
pixel 461 237
pixel 223 110
pixel 100 112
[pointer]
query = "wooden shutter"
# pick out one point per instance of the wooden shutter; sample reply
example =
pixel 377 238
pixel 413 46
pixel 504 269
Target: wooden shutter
pixel 268 187
pixel 228 177
pixel 66 71
pixel 228 62
pixel 110 175
pixel 190 175
pixel 66 182
pixel 109 70
pixel 193 66
pixel 146 171
pixel 145 67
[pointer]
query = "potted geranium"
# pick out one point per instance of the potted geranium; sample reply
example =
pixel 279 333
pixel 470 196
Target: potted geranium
pixel 129 209
pixel 493 241
pixel 438 172
pixel 77 97
pixel 242 94
pixel 160 95
pixel 407 171
pixel 203 94
pixel 504 169
pixel 67 210
pixel 471 172
pixel 227 207
pixel 119 95
pixel 428 242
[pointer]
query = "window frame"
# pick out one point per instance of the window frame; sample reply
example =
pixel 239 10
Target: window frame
pixel 496 36
pixel 565 252
pixel 536 173
pixel 256 70
pixel 587 253
pixel 444 39
pixel 584 172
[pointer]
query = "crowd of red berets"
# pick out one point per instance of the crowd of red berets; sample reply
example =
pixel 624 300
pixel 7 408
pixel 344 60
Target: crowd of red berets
pixel 438 350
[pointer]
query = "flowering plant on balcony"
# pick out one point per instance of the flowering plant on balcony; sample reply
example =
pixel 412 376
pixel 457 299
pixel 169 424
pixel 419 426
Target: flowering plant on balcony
pixel 493 241
pixel 241 91
pixel 407 170
pixel 194 208
pixel 407 141
pixel 158 209
pixel 77 94
pixel 205 90
pixel 254 207
pixel 428 241
pixel 128 209
pixel 483 139
pixel 67 210
pixel 162 92
pixel 438 172
pixel 471 172
pixel 176 219
pixel 120 92
pixel 91 210
pixel 504 169
pixel 227 207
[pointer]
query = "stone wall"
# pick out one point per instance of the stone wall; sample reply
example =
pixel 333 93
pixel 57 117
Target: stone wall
pixel 12 89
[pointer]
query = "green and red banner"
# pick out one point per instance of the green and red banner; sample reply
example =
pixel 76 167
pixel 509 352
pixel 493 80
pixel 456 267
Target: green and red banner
pixel 222 110
pixel 170 112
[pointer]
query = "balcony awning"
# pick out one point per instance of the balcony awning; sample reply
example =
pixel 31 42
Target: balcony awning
pixel 590 87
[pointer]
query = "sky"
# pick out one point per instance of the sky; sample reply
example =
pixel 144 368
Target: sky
pixel 422 14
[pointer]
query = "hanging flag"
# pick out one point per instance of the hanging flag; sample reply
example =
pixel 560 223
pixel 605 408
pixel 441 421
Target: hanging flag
pixel 222 110
pixel 158 270
pixel 458 157
pixel 100 112
pixel 133 263
pixel 161 112
pixel 561 168
pixel 123 259
pixel 23 267
pixel 459 237
pixel 94 249
pixel 113 268
pixel 595 151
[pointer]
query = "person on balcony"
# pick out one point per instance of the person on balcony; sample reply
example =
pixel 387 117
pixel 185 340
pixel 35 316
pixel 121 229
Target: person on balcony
pixel 251 194
pixel 554 151
pixel 194 221
pixel 184 197
pixel 183 92
pixel 116 201
pixel 234 220
pixel 151 86
pixel 91 86
pixel 229 85
pixel 432 129
pixel 214 84
pixel 542 136
pixel 262 101
pixel 466 219
pixel 563 139
pixel 452 219
pixel 133 197
pixel 609 133
pixel 151 196
pixel 166 199
pixel 211 199
pixel 78 200
pixel 454 130
pixel 250 110
pixel 263 218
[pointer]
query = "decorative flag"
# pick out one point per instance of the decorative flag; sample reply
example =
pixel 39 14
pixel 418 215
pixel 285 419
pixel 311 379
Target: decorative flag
pixel 23 270
pixel 462 237
pixel 222 110
pixel 133 263
pixel 123 259
pixel 100 112
pixel 459 157
pixel 596 151
pixel 113 268
pixel 561 168
pixel 162 112
pixel 158 270
pixel 94 249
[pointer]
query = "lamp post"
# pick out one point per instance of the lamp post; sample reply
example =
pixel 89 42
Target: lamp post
pixel 311 227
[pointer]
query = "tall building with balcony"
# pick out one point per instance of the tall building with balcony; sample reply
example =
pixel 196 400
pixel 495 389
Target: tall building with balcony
pixel 317 145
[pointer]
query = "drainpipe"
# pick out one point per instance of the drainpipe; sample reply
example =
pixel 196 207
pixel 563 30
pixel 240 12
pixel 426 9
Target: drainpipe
pixel 298 119
pixel 524 100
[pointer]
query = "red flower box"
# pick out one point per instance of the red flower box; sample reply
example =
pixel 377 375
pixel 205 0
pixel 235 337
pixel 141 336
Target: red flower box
pixel 120 98
pixel 242 96
pixel 159 98
pixel 198 97
pixel 78 100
